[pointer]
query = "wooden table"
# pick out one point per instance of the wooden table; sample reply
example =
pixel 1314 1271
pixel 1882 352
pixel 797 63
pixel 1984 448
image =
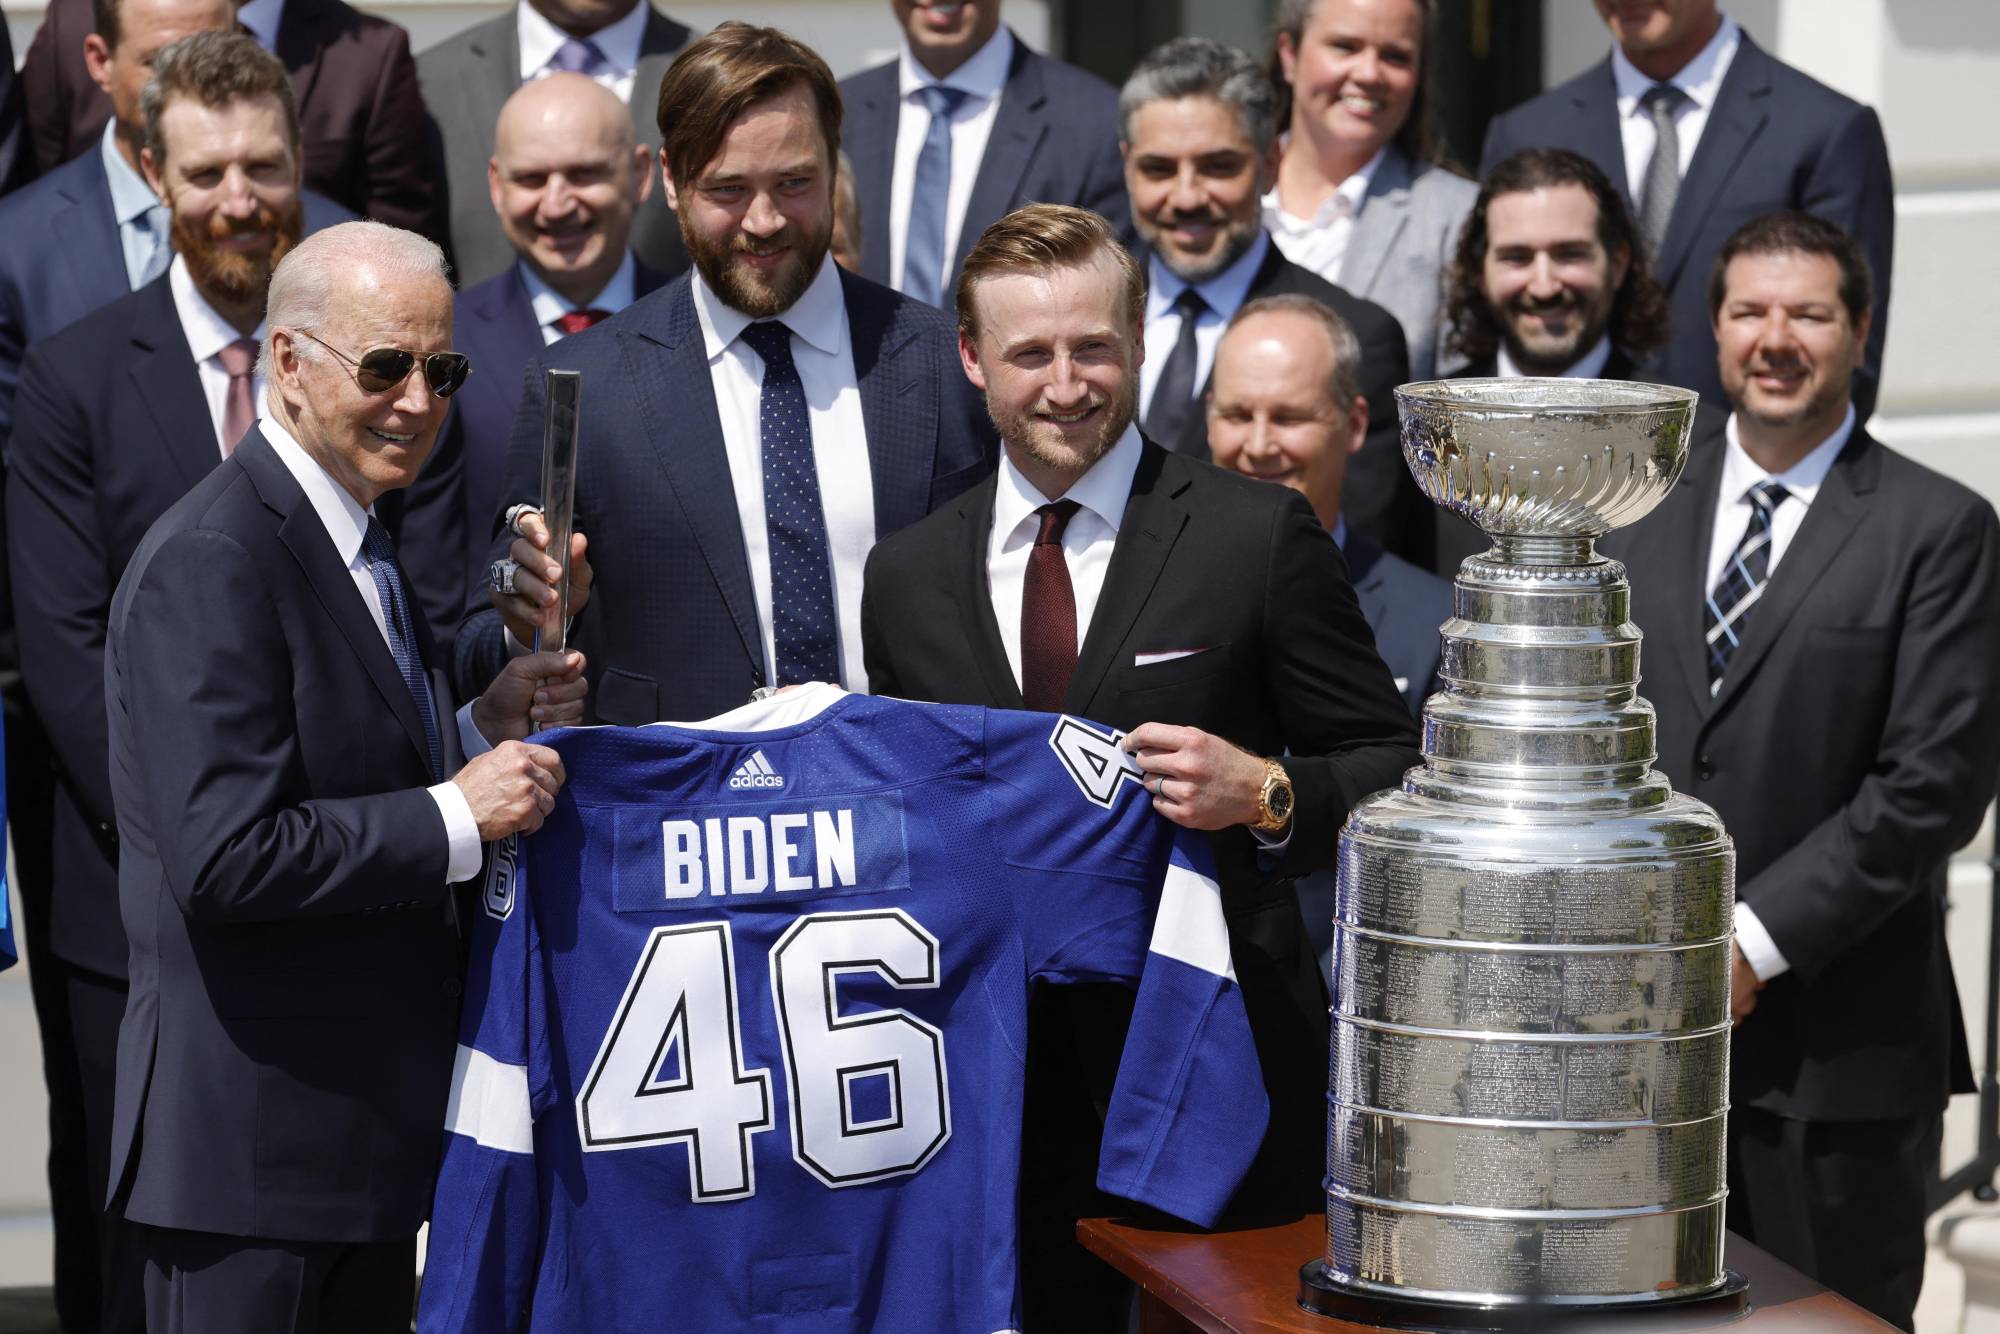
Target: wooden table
pixel 1248 1280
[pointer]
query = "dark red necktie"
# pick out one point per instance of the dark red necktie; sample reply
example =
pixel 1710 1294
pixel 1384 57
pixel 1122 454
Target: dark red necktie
pixel 576 321
pixel 1048 615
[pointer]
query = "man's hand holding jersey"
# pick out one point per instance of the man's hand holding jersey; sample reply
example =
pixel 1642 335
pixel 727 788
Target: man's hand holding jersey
pixel 1200 781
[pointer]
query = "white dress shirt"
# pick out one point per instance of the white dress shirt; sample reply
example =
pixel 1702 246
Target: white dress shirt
pixel 1087 540
pixel 207 334
pixel 540 39
pixel 1319 243
pixel 345 523
pixel 1225 294
pixel 261 18
pixel 1700 79
pixel 824 354
pixel 1732 519
pixel 1586 367
pixel 551 305
pixel 132 205
pixel 981 77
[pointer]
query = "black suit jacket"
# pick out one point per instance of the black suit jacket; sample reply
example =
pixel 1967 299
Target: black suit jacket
pixel 1775 139
pixel 112 429
pixel 361 121
pixel 287 1046
pixel 1242 570
pixel 672 630
pixel 1404 606
pixel 1850 750
pixel 465 81
pixel 1054 141
pixel 494 324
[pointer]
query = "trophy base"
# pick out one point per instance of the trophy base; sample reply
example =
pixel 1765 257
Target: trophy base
pixel 1323 1294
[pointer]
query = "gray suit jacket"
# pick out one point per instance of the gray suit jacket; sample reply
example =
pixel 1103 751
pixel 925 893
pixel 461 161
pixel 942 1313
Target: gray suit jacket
pixel 1402 245
pixel 465 81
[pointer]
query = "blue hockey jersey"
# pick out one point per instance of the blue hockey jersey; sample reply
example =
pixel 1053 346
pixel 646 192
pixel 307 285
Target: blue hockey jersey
pixel 744 1025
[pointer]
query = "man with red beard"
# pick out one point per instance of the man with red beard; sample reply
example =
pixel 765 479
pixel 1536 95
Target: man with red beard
pixel 117 416
pixel 748 430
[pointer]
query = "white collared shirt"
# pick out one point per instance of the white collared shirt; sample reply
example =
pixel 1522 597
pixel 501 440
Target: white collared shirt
pixel 1802 482
pixel 261 18
pixel 1087 540
pixel 1586 367
pixel 1319 243
pixel 132 205
pixel 207 334
pixel 1225 294
pixel 345 523
pixel 540 39
pixel 1701 79
pixel 550 305
pixel 823 351
pixel 981 77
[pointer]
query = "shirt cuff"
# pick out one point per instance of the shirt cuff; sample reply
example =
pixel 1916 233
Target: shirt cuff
pixel 461 832
pixel 1759 950
pixel 1273 843
pixel 470 739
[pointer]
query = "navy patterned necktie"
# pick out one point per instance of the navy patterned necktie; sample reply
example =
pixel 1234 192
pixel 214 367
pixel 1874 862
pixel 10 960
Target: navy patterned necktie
pixel 380 555
pixel 1743 581
pixel 930 195
pixel 804 629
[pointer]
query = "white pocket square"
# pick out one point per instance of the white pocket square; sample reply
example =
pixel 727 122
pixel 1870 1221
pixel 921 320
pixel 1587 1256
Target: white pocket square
pixel 1164 655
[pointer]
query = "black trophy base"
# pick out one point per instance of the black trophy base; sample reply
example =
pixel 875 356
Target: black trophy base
pixel 1323 1294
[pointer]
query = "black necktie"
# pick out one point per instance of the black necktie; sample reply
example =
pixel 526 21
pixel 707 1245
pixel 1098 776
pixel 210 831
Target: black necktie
pixel 1173 396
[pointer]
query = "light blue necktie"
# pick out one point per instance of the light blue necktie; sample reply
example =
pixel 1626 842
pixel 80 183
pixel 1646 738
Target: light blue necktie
pixel 160 224
pixel 804 628
pixel 930 195
pixel 380 554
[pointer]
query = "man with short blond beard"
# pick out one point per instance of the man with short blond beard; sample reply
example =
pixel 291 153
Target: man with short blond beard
pixel 101 446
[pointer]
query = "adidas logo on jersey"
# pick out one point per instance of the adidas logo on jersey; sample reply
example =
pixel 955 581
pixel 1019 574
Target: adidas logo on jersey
pixel 755 772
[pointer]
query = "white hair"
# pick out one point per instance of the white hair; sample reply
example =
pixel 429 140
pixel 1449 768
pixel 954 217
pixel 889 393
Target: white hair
pixel 302 287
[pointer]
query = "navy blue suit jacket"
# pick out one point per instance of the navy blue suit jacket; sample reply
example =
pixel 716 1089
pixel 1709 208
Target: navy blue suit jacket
pixel 1404 605
pixel 1054 141
pixel 111 429
pixel 62 259
pixel 287 1046
pixel 494 324
pixel 671 630
pixel 1775 139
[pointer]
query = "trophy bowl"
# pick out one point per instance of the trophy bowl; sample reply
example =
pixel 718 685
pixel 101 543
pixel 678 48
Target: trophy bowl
pixel 1545 457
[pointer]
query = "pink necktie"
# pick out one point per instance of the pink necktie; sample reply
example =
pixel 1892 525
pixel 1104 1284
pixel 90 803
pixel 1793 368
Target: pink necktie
pixel 239 404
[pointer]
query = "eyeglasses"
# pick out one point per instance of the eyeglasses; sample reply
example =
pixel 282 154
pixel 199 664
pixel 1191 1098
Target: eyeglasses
pixel 381 369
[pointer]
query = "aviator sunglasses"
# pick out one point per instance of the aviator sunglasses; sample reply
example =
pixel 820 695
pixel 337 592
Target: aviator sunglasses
pixel 384 368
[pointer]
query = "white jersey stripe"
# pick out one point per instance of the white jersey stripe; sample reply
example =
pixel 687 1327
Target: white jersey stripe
pixel 489 1103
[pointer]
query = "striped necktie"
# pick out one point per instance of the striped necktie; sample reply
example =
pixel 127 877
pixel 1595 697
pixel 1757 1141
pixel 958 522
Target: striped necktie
pixel 1743 581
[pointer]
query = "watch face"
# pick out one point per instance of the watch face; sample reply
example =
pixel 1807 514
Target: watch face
pixel 1280 801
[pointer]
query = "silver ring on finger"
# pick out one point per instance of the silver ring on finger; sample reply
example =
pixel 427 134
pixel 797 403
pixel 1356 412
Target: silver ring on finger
pixel 1159 781
pixel 501 574
pixel 514 513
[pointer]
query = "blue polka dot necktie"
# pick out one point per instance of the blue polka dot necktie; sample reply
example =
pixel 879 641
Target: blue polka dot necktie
pixel 380 555
pixel 803 623
pixel 1742 583
pixel 930 195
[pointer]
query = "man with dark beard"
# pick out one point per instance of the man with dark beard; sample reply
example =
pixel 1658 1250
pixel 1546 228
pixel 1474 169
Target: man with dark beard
pixel 1209 615
pixel 749 429
pixel 116 418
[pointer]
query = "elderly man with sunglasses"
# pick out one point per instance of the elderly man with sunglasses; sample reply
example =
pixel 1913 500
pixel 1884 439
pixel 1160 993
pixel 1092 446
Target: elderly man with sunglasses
pixel 295 813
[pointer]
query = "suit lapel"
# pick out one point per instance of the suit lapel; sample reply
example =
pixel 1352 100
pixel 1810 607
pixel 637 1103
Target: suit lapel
pixel 1154 518
pixel 899 421
pixel 509 312
pixel 870 141
pixel 1681 576
pixel 492 75
pixel 1595 123
pixel 1825 530
pixel 86 235
pixel 975 599
pixel 1742 105
pixel 1018 130
pixel 1385 211
pixel 307 539
pixel 299 47
pixel 668 362
pixel 168 383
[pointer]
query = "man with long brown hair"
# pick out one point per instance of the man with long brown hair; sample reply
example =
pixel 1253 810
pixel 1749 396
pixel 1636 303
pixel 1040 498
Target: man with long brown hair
pixel 750 429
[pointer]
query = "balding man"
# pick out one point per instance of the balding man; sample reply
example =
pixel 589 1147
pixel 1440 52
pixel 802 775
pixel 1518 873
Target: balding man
pixel 292 815
pixel 566 178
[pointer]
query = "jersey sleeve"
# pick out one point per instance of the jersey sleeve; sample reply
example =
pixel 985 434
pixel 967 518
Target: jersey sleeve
pixel 486 1216
pixel 1108 890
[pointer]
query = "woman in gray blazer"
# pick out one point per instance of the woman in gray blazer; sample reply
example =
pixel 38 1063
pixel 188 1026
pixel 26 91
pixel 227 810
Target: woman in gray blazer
pixel 1360 199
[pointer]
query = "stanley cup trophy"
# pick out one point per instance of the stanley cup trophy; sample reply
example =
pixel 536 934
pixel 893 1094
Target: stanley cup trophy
pixel 1532 948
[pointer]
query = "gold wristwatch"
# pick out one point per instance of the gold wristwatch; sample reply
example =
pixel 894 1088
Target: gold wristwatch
pixel 1274 800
